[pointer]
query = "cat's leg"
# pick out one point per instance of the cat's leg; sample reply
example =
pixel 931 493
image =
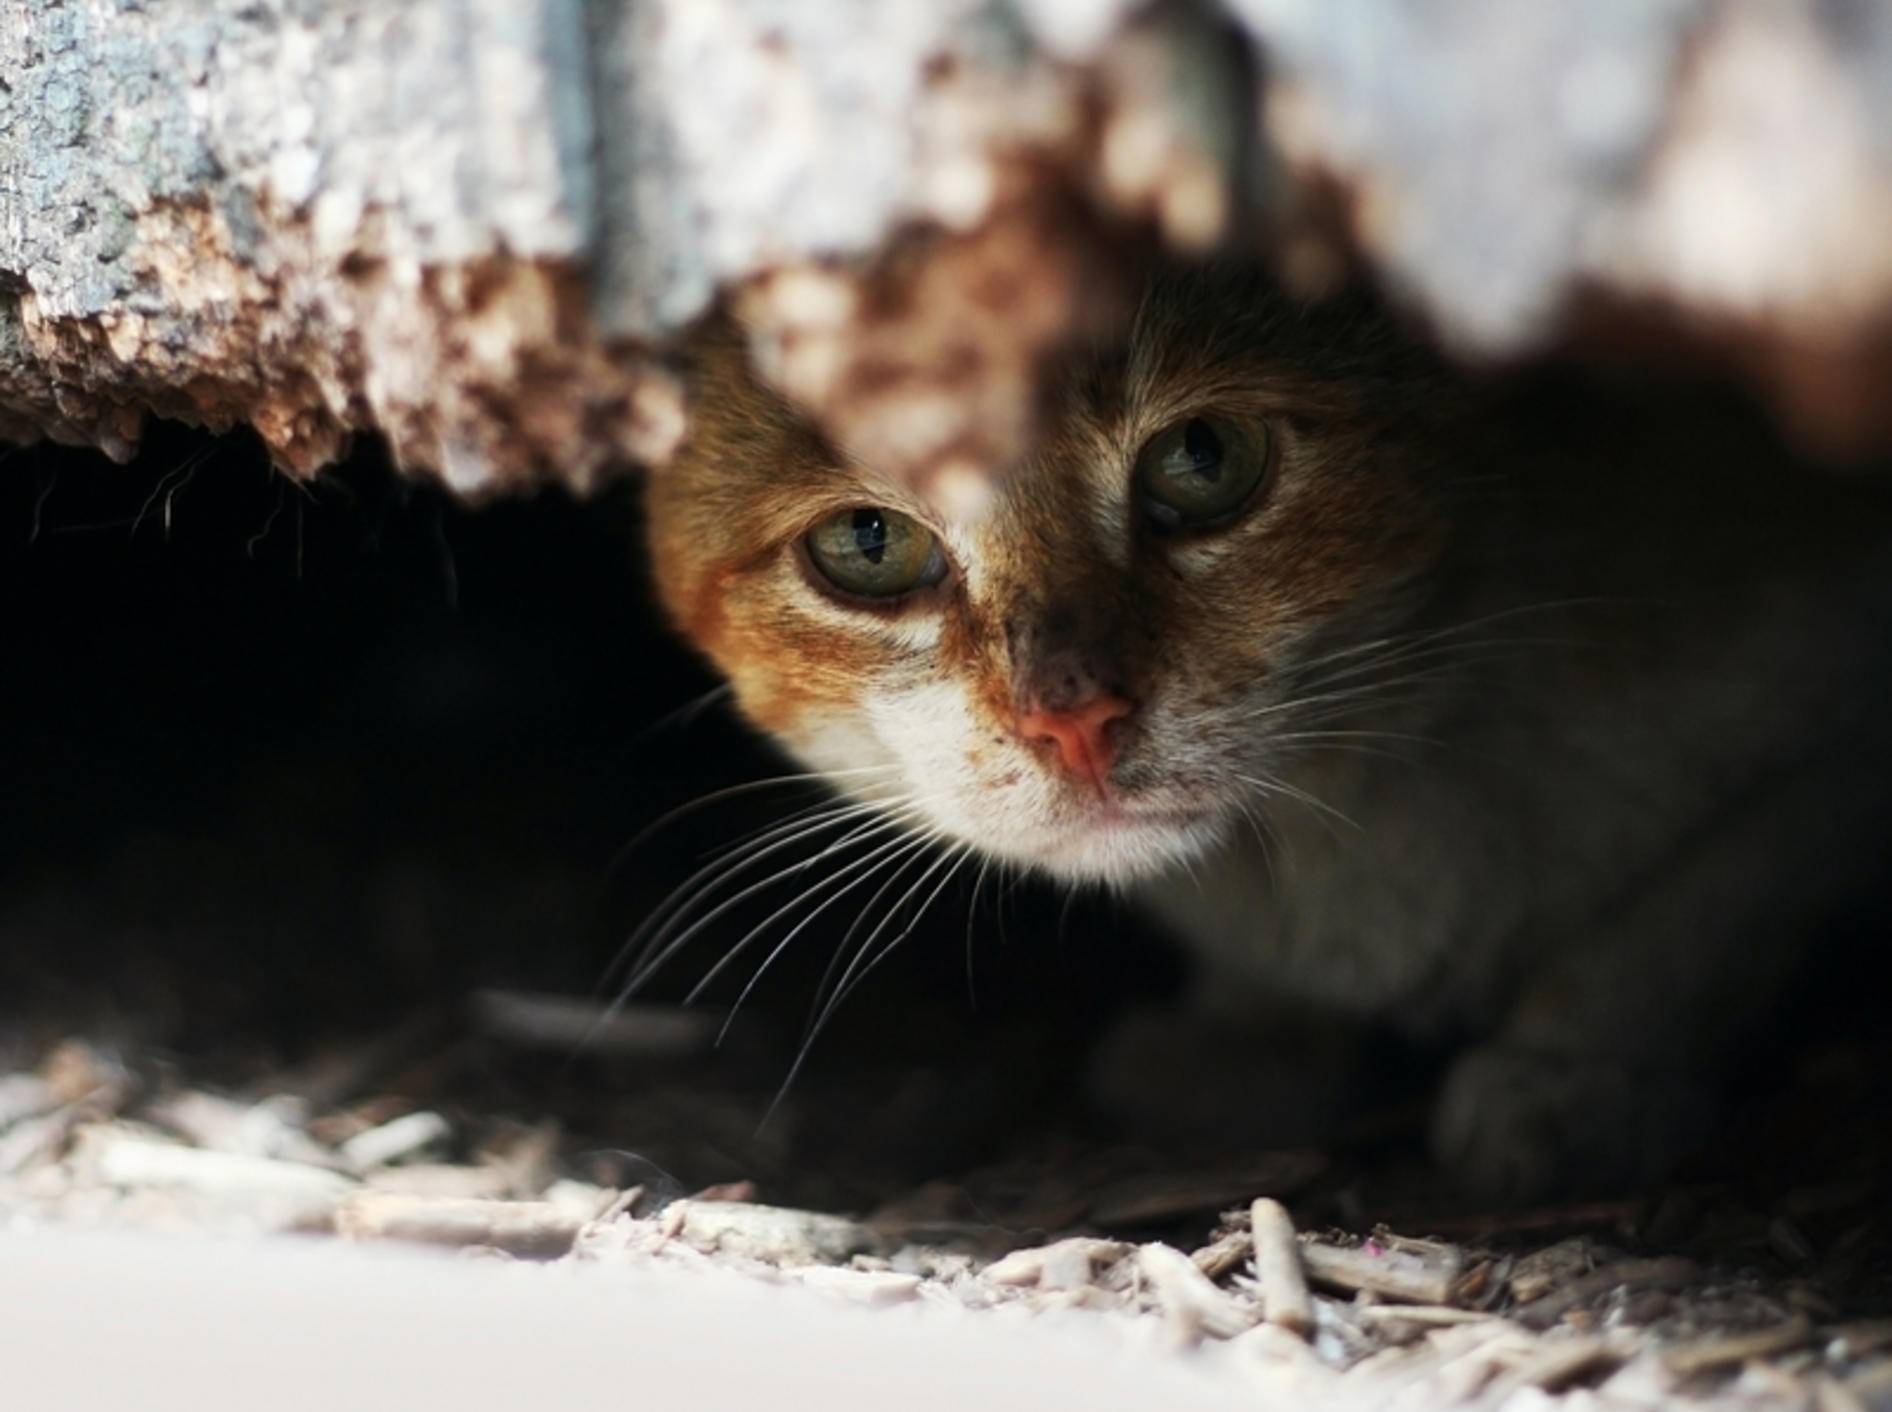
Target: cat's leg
pixel 1607 1071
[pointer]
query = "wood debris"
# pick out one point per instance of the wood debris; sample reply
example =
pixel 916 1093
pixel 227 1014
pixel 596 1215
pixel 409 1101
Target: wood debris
pixel 24 1096
pixel 1191 1304
pixel 126 1159
pixel 1701 1355
pixel 1660 1273
pixel 874 1288
pixel 535 1229
pixel 769 1233
pixel 394 1141
pixel 1389 1320
pixel 1285 1301
pixel 1064 1264
pixel 1417 1276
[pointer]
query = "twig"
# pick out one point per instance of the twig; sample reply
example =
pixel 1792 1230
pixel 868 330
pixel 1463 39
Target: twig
pixel 776 1234
pixel 1064 1264
pixel 121 1159
pixel 1856 1340
pixel 1703 1354
pixel 1427 1315
pixel 1663 1273
pixel 1285 1301
pixel 530 1228
pixel 1190 1303
pixel 24 1096
pixel 1554 1363
pixel 1406 1275
pixel 1219 1257
pixel 393 1140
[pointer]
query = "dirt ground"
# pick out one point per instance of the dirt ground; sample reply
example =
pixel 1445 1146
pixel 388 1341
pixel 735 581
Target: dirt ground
pixel 1708 1295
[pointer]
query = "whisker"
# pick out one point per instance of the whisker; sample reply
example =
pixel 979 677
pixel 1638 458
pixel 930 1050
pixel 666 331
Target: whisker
pixel 688 807
pixel 643 974
pixel 911 856
pixel 665 950
pixel 1263 835
pixel 972 912
pixel 957 857
pixel 686 714
pixel 1300 796
pixel 1064 913
pixel 718 871
pixel 1430 635
pixel 866 866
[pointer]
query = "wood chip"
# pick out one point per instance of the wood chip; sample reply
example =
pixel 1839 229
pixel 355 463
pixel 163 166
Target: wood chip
pixel 402 1137
pixel 775 1234
pixel 873 1288
pixel 526 1156
pixel 1219 1257
pixel 33 1141
pixel 1856 1340
pixel 78 1073
pixel 1664 1273
pixel 1872 1386
pixel 1191 1305
pixel 1285 1301
pixel 1704 1354
pixel 1055 1266
pixel 1409 1275
pixel 1292 1374
pixel 1464 1360
pixel 541 1229
pixel 127 1160
pixel 25 1096
pixel 1831 1395
pixel 1535 1275
pixel 441 1179
pixel 275 1127
pixel 1553 1364
pixel 1427 1315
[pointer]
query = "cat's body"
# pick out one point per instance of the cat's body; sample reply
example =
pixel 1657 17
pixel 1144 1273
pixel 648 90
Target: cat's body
pixel 1559 750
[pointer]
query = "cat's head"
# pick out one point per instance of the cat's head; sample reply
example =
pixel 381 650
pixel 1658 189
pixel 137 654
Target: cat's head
pixel 1097 669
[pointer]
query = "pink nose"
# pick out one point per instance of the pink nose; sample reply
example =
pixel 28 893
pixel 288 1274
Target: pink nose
pixel 1081 735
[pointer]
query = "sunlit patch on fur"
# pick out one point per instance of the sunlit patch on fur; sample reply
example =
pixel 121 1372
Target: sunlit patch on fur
pixel 1201 557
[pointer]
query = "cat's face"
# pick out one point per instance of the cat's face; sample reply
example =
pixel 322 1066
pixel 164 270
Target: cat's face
pixel 1096 669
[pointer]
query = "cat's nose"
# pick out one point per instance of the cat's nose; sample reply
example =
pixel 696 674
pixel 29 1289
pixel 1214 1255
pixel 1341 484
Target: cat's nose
pixel 1081 733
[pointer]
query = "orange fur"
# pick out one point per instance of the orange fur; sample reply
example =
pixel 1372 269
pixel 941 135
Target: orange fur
pixel 1350 521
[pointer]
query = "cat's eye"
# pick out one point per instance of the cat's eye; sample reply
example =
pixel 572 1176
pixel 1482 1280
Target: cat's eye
pixel 874 552
pixel 1200 472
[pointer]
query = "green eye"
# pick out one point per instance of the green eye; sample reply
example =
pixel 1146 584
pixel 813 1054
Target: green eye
pixel 1200 472
pixel 875 552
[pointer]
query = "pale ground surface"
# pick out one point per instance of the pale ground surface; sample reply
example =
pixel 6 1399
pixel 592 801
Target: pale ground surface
pixel 164 1247
pixel 122 1321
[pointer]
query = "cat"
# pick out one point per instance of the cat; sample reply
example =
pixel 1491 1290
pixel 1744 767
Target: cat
pixel 1552 743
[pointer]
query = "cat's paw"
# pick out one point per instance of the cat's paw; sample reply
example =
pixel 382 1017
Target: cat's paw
pixel 1177 1076
pixel 1521 1125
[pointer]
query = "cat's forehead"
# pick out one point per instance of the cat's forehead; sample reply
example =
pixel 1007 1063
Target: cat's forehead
pixel 1099 410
